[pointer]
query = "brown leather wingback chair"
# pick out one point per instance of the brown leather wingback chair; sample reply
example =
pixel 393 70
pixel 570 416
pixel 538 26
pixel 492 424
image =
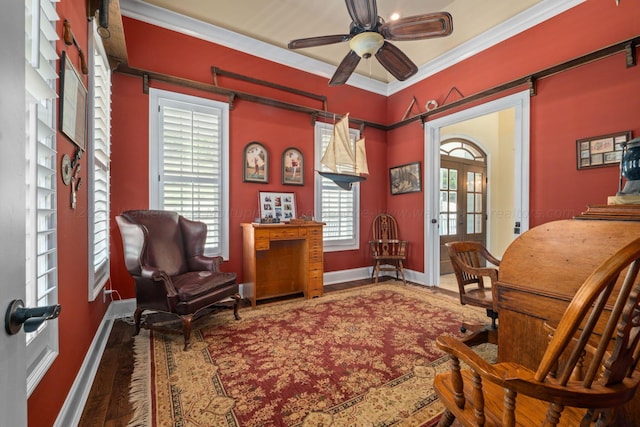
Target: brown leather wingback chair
pixel 164 252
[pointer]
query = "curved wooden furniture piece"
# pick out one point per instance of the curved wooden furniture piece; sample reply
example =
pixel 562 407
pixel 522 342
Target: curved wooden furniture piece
pixel 387 250
pixel 471 263
pixel 581 277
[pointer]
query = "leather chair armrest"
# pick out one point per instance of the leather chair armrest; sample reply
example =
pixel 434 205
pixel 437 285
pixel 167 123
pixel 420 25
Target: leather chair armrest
pixel 205 263
pixel 160 276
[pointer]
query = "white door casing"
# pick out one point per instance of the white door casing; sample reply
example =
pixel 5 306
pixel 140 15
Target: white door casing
pixel 520 102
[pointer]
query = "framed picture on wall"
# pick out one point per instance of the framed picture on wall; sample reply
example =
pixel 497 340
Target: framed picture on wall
pixel 292 167
pixel 602 150
pixel 255 163
pixel 73 104
pixel 279 206
pixel 405 178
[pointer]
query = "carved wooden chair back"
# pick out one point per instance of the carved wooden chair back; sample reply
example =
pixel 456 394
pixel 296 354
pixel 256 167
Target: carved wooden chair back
pixel 387 250
pixel 587 370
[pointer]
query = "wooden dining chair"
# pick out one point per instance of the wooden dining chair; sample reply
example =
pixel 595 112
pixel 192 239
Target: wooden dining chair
pixel 473 264
pixel 588 370
pixel 387 250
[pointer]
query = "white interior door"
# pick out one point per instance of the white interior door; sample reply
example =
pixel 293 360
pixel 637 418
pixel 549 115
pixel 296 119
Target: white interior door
pixel 520 103
pixel 13 385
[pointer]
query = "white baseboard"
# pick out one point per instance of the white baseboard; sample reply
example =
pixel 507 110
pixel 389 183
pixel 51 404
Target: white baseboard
pixel 71 410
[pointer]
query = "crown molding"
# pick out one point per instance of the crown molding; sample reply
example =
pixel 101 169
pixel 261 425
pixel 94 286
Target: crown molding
pixel 531 17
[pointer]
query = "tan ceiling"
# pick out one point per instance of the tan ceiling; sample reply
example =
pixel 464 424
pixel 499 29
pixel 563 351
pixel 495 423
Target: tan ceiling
pixel 277 21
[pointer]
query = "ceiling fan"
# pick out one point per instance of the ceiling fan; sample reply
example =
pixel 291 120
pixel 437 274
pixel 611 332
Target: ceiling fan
pixel 368 35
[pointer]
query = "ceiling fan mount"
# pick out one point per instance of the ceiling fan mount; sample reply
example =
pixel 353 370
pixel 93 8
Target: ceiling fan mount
pixel 369 35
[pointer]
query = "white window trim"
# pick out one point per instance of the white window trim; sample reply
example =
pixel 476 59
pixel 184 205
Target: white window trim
pixel 345 244
pixel 41 82
pixel 95 286
pixel 155 155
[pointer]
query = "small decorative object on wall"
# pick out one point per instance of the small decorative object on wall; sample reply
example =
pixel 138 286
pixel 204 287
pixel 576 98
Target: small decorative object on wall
pixel 256 163
pixel 603 150
pixel 73 103
pixel 280 207
pixel 405 178
pixel 292 167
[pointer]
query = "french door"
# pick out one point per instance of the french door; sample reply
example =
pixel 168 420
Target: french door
pixel 463 204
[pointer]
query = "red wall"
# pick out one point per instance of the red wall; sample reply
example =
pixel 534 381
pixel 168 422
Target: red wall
pixel 160 50
pixel 79 319
pixel 594 99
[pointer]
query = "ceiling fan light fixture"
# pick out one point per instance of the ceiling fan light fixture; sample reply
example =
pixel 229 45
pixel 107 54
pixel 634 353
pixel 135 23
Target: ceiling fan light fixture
pixel 366 44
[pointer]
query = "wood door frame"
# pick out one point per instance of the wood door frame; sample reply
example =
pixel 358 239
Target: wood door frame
pixel 464 166
pixel 520 102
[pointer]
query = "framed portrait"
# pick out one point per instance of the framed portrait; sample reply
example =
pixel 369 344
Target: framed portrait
pixel 405 178
pixel 256 163
pixel 278 206
pixel 603 150
pixel 73 104
pixel 292 167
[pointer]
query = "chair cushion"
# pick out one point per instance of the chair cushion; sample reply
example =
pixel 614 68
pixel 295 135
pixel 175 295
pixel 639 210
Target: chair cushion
pixel 193 284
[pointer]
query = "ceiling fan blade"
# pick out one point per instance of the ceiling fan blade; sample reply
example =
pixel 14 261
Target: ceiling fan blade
pixel 418 27
pixel 345 69
pixel 318 41
pixel 364 13
pixel 396 62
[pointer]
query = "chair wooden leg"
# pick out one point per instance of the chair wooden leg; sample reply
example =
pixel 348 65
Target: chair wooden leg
pixel 186 329
pixel 377 271
pixel 446 419
pixel 401 268
pixel 236 304
pixel 137 317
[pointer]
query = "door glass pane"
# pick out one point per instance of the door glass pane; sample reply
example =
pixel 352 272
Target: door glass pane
pixel 478 181
pixel 444 178
pixel 453 201
pixel 478 223
pixel 444 226
pixel 478 207
pixel 470 224
pixel 470 199
pixel 453 179
pixel 470 181
pixel 453 224
pixel 444 199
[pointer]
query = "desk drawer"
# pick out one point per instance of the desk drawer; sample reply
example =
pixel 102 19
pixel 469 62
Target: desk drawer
pixel 284 234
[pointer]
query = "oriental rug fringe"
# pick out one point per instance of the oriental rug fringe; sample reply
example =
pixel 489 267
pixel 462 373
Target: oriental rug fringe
pixel 365 356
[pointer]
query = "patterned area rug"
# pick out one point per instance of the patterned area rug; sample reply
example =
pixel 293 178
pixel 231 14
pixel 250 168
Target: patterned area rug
pixel 360 357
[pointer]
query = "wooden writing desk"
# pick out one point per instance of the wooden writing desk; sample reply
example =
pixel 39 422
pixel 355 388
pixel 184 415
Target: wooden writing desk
pixel 539 274
pixel 282 259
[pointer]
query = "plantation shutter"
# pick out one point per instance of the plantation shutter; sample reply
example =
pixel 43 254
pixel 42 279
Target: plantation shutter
pixel 41 224
pixel 336 207
pixel 192 166
pixel 99 176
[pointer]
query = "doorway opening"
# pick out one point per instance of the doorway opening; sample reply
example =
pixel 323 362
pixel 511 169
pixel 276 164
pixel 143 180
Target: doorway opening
pixel 507 169
pixel 463 196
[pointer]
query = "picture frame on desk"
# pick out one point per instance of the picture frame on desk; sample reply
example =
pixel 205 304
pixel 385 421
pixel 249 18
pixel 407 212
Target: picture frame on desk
pixel 277 205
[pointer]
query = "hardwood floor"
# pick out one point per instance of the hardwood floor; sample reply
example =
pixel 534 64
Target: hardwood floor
pixel 108 401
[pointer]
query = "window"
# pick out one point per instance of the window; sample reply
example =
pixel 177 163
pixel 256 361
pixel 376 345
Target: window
pixel 98 158
pixel 41 224
pixel 189 162
pixel 338 209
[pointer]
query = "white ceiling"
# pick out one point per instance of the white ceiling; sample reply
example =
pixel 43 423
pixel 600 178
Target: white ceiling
pixel 264 27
